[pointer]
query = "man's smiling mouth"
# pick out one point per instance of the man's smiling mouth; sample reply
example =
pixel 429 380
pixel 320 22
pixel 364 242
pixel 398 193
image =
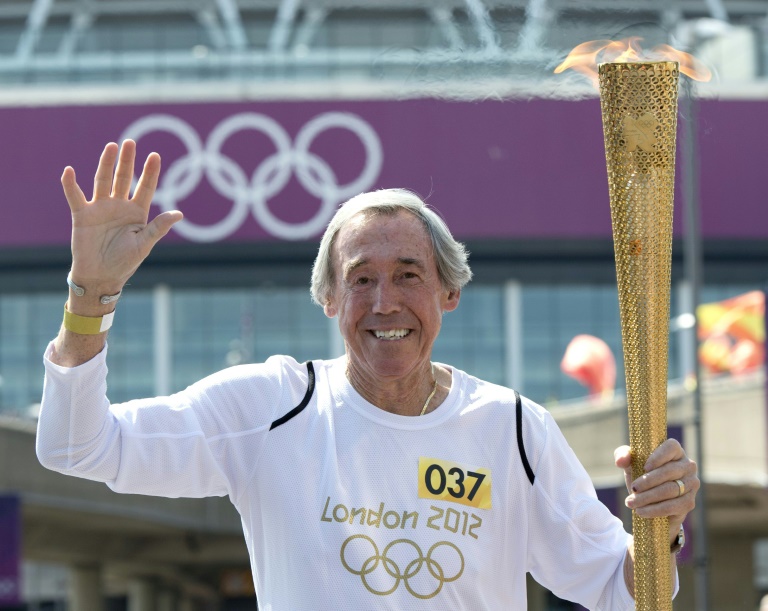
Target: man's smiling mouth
pixel 392 334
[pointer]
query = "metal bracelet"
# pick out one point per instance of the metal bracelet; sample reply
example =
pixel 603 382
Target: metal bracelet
pixel 80 291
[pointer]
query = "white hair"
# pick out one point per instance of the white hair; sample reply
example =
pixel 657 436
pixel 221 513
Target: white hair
pixel 450 255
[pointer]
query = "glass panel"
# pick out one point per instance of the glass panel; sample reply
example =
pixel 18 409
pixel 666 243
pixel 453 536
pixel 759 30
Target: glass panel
pixel 472 336
pixel 217 329
pixel 27 324
pixel 553 315
pixel 131 348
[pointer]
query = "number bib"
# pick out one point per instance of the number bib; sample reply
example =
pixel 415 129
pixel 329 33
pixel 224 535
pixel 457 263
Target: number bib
pixel 449 481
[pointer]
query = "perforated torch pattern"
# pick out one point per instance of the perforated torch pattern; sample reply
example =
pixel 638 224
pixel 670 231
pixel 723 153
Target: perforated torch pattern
pixel 639 109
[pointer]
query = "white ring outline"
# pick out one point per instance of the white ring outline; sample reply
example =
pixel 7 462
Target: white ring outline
pixel 273 173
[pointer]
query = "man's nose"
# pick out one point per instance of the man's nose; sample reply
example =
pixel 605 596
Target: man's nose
pixel 386 299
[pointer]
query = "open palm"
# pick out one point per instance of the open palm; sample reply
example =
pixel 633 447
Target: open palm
pixel 110 233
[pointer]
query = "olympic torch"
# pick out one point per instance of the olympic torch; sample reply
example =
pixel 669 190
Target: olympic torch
pixel 638 101
pixel 639 108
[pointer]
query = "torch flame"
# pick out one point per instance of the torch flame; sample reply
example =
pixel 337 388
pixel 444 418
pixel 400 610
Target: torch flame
pixel 585 57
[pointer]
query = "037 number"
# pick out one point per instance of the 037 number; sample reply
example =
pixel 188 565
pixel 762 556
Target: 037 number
pixel 459 484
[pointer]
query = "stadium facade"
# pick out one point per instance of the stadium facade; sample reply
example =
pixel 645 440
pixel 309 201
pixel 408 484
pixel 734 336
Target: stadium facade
pixel 269 115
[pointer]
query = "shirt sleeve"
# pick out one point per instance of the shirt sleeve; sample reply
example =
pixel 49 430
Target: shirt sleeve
pixel 203 441
pixel 576 546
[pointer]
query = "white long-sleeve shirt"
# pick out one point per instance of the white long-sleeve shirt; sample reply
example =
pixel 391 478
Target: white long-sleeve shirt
pixel 346 506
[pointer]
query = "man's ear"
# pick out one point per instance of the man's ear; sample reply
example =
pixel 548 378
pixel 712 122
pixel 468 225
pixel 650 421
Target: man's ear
pixel 451 301
pixel 330 309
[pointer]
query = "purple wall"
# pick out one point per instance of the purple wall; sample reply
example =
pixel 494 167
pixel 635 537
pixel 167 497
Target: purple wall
pixel 531 169
pixel 10 551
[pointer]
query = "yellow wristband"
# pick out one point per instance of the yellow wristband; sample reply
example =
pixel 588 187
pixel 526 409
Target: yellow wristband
pixel 87 325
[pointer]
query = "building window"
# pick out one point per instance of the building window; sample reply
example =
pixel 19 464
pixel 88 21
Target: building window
pixel 217 329
pixel 472 336
pixel 552 317
pixel 27 323
pixel 131 348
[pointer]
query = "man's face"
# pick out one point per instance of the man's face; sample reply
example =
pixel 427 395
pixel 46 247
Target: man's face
pixel 387 295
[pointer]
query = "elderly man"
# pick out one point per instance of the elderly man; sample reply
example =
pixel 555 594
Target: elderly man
pixel 379 480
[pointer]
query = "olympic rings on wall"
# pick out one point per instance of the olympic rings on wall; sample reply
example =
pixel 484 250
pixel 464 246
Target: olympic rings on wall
pixel 228 179
pixel 371 564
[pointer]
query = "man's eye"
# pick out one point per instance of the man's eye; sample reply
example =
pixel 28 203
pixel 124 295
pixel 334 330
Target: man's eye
pixel 361 280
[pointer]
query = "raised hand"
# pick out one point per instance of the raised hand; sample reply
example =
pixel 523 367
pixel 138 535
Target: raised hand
pixel 110 233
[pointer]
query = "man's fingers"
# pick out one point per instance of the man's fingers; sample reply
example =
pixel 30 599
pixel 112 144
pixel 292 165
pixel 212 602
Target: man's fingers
pixel 659 493
pixel 679 469
pixel 675 507
pixel 656 493
pixel 72 191
pixel 668 451
pixel 667 490
pixel 665 500
pixel 159 226
pixel 121 188
pixel 102 183
pixel 145 189
pixel 622 456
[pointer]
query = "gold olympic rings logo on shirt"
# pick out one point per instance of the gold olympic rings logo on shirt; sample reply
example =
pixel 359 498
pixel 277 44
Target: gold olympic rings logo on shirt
pixel 392 569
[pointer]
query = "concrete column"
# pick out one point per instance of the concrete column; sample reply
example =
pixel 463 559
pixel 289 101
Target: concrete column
pixel 142 595
pixel 163 340
pixel 537 595
pixel 683 323
pixel 167 600
pixel 731 572
pixel 86 587
pixel 513 340
pixel 186 603
pixel 335 339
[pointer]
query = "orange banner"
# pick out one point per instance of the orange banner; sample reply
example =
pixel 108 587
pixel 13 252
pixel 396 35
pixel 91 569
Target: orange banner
pixel 732 334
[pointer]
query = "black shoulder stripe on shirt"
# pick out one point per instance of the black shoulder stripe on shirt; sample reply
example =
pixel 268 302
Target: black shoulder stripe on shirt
pixel 520 444
pixel 304 402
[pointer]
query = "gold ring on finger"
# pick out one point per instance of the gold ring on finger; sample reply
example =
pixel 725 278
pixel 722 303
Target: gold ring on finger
pixel 681 487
